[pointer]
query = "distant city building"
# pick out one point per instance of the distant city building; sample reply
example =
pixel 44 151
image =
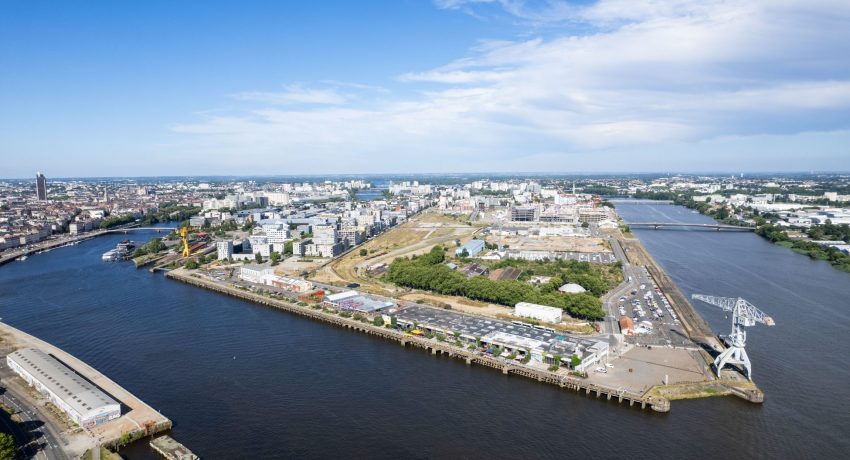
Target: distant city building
pixel 524 213
pixel 41 186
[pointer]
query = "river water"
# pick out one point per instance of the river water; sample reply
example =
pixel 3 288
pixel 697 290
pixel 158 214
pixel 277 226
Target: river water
pixel 244 381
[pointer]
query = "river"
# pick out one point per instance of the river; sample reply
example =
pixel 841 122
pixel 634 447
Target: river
pixel 241 380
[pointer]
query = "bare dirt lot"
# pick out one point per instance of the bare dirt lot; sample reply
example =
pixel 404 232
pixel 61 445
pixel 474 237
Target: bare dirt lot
pixel 551 243
pixel 417 236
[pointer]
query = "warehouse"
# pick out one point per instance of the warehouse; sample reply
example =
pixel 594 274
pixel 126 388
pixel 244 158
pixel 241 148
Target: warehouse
pixel 354 301
pixel 472 248
pixel 541 312
pixel 80 399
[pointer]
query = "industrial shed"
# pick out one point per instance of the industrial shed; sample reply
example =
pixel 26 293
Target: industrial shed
pixel 84 403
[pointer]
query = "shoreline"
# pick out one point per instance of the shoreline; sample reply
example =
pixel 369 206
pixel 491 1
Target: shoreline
pixel 139 420
pixel 655 397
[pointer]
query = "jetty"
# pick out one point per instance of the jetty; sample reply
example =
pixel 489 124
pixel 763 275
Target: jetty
pixel 171 449
pixel 137 419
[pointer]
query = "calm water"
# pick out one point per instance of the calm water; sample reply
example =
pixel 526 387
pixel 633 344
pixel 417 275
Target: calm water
pixel 242 381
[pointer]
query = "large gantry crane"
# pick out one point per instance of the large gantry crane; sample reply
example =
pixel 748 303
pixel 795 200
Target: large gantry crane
pixel 744 314
pixel 184 239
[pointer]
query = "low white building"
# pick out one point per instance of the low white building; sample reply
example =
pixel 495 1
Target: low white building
pixel 571 288
pixel 541 312
pixel 84 403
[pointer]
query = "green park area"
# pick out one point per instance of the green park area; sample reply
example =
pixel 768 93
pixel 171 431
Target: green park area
pixel 430 272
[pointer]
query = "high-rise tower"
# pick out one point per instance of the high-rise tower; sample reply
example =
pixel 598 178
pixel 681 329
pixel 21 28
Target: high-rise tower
pixel 41 186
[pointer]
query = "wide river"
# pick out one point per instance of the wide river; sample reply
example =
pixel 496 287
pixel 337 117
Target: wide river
pixel 244 381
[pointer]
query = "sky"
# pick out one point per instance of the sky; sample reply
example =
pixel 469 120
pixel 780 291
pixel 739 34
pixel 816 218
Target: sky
pixel 104 88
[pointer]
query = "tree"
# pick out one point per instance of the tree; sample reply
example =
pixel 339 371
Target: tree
pixel 287 248
pixel 585 225
pixel 7 446
pixel 378 321
pixel 274 257
pixel 191 264
pixel 363 252
pixel 575 361
pixel 464 254
pixel 258 258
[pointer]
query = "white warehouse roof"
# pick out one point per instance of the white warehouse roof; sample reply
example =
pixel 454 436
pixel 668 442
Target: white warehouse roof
pixel 78 393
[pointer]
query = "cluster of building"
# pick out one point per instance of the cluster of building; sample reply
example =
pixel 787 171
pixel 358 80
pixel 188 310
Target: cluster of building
pixel 33 211
pixel 259 274
pixel 314 229
pixel 541 344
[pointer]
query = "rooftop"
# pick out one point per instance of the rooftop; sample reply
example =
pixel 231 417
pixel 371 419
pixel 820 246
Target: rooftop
pixel 77 392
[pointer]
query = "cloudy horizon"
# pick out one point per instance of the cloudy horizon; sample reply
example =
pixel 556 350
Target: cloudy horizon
pixel 449 86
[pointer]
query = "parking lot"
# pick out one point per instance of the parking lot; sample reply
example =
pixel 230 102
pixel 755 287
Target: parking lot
pixel 655 322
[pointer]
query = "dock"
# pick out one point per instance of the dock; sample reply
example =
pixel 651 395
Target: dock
pixel 171 449
pixel 652 401
pixel 137 419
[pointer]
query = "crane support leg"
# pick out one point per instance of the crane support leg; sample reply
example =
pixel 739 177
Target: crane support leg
pixel 734 355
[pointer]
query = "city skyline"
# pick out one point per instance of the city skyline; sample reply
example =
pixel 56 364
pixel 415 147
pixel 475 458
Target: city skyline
pixel 444 86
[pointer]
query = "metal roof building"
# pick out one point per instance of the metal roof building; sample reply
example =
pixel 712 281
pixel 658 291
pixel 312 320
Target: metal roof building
pixel 80 399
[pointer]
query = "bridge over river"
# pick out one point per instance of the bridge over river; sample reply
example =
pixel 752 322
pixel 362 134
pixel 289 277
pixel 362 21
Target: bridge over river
pixel 133 229
pixel 669 225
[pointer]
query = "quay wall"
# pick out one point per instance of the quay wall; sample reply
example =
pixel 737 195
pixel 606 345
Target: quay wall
pixel 137 419
pixel 696 327
pixel 658 404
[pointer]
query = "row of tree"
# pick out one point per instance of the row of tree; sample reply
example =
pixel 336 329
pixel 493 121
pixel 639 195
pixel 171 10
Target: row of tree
pixel 428 272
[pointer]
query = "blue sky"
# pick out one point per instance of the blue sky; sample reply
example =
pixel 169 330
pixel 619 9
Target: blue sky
pixel 177 88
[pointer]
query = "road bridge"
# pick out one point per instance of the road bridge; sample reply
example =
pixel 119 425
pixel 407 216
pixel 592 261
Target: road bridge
pixel 133 229
pixel 667 225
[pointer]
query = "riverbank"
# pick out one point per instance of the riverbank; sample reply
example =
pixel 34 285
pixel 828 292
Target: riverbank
pixel 137 420
pixel 768 230
pixel 655 402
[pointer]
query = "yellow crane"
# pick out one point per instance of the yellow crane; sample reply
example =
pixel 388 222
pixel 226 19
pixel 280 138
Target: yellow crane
pixel 184 237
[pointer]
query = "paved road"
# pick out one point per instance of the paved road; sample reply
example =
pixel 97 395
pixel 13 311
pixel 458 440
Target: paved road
pixel 46 445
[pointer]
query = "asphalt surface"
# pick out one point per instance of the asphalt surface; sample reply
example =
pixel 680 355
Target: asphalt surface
pixel 32 433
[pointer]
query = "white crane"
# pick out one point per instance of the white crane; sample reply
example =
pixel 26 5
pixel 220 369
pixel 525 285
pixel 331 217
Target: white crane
pixel 744 314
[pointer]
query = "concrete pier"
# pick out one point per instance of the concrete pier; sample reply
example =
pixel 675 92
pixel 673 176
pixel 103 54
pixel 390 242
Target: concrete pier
pixel 137 419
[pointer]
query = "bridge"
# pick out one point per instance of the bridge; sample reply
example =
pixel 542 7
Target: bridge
pixel 665 225
pixel 133 229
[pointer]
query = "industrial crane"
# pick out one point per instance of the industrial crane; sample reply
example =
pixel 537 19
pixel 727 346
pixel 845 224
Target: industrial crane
pixel 184 238
pixel 744 314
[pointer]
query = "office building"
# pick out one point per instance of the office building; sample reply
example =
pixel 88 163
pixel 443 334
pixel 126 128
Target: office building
pixel 41 186
pixel 224 249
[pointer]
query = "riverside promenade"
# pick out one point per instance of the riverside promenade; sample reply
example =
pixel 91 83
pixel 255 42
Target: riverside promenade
pixel 137 418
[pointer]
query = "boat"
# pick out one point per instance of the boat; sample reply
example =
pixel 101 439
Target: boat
pixel 111 255
pixel 22 258
pixel 122 251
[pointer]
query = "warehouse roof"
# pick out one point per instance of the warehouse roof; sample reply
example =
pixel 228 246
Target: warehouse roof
pixel 78 393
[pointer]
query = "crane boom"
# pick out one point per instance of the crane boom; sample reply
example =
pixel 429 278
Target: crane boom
pixel 744 314
pixel 744 309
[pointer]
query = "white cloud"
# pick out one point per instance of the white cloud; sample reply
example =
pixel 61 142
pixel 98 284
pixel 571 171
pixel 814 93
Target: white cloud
pixel 651 73
pixel 294 94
